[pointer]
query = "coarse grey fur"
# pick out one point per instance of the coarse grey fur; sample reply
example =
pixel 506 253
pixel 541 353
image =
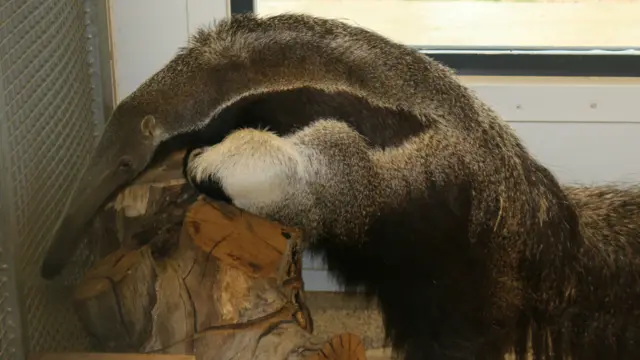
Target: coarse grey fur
pixel 247 56
pixel 605 296
pixel 326 179
pixel 464 265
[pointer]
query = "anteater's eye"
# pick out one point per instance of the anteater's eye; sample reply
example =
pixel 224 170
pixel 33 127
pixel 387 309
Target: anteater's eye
pixel 125 164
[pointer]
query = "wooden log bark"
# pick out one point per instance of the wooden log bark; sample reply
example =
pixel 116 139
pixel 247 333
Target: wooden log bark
pixel 150 210
pixel 215 282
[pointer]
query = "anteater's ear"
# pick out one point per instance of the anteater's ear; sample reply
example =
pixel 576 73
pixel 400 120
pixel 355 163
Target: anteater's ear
pixel 148 125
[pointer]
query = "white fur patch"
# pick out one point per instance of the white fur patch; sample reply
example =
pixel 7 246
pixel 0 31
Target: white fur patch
pixel 256 168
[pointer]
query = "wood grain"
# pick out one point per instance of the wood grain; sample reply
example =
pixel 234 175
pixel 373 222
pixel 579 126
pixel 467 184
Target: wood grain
pixel 199 277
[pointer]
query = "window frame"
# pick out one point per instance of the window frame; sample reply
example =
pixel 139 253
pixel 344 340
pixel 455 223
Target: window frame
pixel 521 61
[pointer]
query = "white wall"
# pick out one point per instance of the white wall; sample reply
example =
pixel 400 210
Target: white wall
pixel 145 34
pixel 586 130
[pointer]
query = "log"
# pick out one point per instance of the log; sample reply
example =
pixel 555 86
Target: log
pixel 150 210
pixel 202 278
pixel 103 356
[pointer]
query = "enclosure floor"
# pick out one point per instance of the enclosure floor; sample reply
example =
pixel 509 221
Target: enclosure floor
pixel 334 313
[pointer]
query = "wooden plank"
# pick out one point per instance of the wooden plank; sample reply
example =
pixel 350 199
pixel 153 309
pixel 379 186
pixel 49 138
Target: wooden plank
pixel 107 356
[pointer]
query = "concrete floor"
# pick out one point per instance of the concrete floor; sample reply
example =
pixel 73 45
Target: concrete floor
pixel 334 313
pixel 559 23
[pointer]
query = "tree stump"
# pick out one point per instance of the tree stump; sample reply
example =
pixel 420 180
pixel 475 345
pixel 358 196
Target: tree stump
pixel 202 278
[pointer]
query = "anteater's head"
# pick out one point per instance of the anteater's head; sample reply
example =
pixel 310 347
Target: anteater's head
pixel 170 102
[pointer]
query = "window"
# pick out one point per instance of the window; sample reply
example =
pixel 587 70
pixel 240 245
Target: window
pixel 494 37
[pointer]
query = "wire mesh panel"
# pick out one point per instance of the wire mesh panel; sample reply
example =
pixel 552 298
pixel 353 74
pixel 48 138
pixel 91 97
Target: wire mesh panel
pixel 10 322
pixel 47 129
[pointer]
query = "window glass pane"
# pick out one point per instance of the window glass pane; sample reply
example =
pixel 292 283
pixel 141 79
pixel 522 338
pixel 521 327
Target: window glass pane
pixel 484 23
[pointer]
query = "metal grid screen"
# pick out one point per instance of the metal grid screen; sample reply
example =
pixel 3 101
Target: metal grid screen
pixel 47 124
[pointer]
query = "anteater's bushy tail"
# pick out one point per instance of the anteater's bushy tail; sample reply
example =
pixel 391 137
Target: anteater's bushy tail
pixel 600 315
